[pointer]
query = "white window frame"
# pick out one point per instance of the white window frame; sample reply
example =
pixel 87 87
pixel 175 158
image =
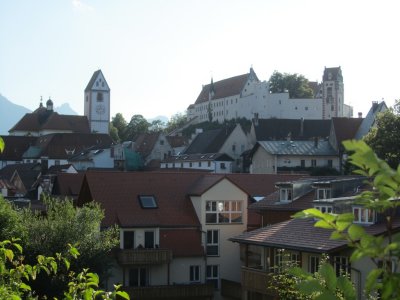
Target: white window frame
pixel 224 212
pixel 313 263
pixel 326 193
pixel 363 215
pixel 286 194
pixel 341 265
pixel 194 273
pixel 212 275
pixel 324 208
pixel 212 242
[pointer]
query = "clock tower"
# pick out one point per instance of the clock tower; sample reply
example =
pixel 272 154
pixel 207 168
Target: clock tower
pixel 97 103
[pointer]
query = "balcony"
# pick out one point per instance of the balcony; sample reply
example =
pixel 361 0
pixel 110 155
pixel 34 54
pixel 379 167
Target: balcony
pixel 180 291
pixel 255 280
pixel 144 256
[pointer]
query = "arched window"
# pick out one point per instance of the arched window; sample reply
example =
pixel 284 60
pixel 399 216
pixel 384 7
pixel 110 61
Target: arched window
pixel 99 97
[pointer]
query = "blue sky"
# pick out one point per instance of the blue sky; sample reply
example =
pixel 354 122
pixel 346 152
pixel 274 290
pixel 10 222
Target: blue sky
pixel 156 55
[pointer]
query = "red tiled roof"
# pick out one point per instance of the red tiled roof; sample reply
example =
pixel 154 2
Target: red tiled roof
pixel 117 193
pixel 68 185
pixel 172 239
pixel 300 234
pixel 42 119
pixel 223 88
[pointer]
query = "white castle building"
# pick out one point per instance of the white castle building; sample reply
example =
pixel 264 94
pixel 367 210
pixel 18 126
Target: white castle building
pixel 245 96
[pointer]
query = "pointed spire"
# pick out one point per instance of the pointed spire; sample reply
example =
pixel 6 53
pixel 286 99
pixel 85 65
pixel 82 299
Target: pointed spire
pixel 41 102
pixel 212 89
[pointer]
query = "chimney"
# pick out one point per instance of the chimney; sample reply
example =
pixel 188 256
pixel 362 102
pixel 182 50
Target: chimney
pixel 316 142
pixel 360 115
pixel 374 105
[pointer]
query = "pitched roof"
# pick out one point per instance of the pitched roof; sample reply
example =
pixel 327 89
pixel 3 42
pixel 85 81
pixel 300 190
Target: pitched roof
pixel 209 141
pixel 145 143
pixel 304 148
pixel 68 185
pixel 15 146
pixel 118 192
pixel 279 129
pixel 300 234
pixel 370 118
pixel 271 202
pixel 8 171
pixel 223 88
pixel 64 145
pixel 92 80
pixel 42 119
pixel 345 128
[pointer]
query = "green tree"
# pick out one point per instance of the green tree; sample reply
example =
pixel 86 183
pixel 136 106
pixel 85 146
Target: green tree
pixel 16 275
pixel 113 131
pixel 384 138
pixel 10 221
pixel 119 123
pixel 296 85
pixel 176 121
pixel 382 198
pixel 65 224
pixel 137 125
pixel 156 126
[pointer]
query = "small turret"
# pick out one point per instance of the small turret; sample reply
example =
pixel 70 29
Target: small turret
pixel 49 104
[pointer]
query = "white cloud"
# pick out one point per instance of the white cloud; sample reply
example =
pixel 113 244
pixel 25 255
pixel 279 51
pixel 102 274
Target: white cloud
pixel 79 5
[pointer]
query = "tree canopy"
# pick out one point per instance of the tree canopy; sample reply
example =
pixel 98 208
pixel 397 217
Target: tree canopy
pixel 297 85
pixel 384 137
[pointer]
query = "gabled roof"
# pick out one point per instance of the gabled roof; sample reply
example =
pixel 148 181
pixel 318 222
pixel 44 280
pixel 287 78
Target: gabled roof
pixel 345 128
pixel 92 80
pixel 8 171
pixel 300 234
pixel 303 148
pixel 279 129
pixel 118 192
pixel 209 141
pixel 224 88
pixel 29 178
pixel 15 146
pixel 65 145
pixel 145 142
pixel 369 120
pixel 68 185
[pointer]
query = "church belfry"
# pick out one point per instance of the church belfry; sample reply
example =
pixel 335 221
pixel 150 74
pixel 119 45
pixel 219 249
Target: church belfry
pixel 97 103
pixel 332 93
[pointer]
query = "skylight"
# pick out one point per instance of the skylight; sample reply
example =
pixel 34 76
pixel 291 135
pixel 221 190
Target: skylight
pixel 147 201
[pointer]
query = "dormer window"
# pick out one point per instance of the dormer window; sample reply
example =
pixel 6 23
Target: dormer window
pixel 363 215
pixel 286 194
pixel 323 194
pixel 147 201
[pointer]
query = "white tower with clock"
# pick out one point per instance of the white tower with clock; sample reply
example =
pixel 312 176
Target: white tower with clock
pixel 97 103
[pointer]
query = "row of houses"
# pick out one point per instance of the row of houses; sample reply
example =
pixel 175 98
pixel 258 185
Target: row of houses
pixel 195 235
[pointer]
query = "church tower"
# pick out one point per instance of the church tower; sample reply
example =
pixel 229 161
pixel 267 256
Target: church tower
pixel 97 103
pixel 332 93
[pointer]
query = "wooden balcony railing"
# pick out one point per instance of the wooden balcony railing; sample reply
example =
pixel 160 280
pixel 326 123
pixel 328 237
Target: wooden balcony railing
pixel 179 291
pixel 255 280
pixel 144 256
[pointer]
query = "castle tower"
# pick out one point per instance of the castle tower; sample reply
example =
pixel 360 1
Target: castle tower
pixel 332 93
pixel 97 103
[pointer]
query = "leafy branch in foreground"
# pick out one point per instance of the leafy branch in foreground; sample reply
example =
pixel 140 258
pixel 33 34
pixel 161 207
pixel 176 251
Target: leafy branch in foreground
pixel 383 198
pixel 15 276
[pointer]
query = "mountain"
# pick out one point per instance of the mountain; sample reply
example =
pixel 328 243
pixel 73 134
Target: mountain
pixel 10 114
pixel 163 119
pixel 65 109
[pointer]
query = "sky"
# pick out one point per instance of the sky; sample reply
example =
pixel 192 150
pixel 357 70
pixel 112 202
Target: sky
pixel 156 55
